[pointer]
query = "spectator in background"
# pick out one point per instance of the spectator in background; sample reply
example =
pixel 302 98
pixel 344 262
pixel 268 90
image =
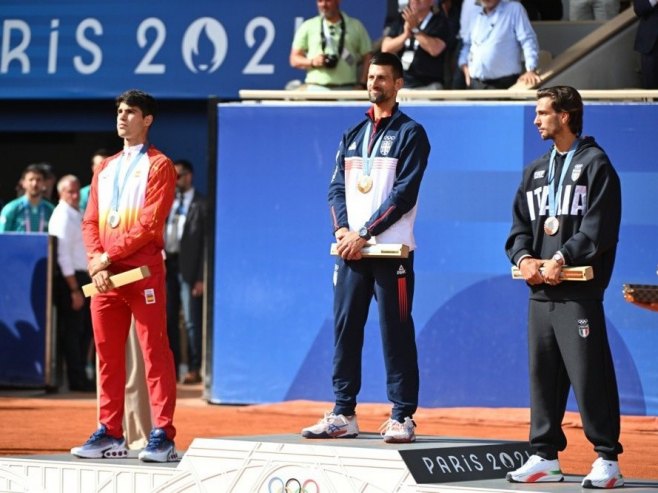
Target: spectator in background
pixel 330 47
pixel 185 237
pixel 96 159
pixel 49 180
pixel 646 41
pixel 28 213
pixel 420 38
pixel 470 9
pixel 73 318
pixel 589 10
pixel 500 37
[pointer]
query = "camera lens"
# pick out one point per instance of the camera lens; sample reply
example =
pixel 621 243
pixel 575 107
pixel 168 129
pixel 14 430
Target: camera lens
pixel 330 61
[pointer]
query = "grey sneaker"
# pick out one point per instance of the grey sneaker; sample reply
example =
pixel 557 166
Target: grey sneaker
pixel 102 446
pixel 333 426
pixel 159 448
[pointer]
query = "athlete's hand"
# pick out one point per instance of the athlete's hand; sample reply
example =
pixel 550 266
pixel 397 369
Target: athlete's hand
pixel 350 245
pixel 530 269
pixel 95 264
pixel 102 281
pixel 340 233
pixel 551 271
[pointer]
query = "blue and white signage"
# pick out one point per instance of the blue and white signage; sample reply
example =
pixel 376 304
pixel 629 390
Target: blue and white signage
pixel 174 49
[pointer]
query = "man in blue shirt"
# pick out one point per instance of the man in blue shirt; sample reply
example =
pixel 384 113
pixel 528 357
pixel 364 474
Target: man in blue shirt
pixel 500 36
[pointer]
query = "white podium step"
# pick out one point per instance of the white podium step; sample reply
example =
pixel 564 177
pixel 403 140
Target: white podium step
pixel 290 464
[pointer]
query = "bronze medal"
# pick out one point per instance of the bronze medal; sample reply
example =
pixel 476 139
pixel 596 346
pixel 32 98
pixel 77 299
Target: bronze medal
pixel 365 184
pixel 114 219
pixel 551 225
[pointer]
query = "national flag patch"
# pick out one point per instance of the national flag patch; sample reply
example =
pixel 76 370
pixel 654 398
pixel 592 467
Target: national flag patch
pixel 149 296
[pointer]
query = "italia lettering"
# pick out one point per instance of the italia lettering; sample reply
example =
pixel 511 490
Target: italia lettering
pixel 573 205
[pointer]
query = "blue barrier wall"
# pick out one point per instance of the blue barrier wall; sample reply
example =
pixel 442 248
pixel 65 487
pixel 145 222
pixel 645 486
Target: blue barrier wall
pixel 23 300
pixel 273 271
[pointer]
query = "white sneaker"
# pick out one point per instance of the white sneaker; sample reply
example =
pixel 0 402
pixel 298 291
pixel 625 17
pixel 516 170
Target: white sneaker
pixel 605 474
pixel 333 426
pixel 537 470
pixel 395 432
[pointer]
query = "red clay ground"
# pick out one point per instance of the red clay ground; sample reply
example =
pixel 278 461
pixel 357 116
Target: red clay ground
pixel 46 424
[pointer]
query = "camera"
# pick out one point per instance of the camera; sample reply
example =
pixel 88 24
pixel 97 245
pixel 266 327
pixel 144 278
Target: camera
pixel 330 61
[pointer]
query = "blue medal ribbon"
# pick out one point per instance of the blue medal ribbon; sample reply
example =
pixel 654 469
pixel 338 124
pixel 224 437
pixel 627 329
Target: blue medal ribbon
pixel 552 194
pixel 118 192
pixel 368 159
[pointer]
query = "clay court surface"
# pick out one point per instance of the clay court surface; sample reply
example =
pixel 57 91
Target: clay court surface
pixel 36 423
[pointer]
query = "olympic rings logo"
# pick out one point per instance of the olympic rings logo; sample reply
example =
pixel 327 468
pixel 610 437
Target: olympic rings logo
pixel 292 485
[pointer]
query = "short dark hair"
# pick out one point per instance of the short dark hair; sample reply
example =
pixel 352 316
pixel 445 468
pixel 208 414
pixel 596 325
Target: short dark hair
pixel 187 166
pixel 566 99
pixel 140 99
pixel 391 60
pixel 35 168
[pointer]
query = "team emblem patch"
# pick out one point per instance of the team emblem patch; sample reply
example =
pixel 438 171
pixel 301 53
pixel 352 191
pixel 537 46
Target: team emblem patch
pixel 149 296
pixel 583 328
pixel 401 271
pixel 387 142
pixel 576 171
pixel 539 174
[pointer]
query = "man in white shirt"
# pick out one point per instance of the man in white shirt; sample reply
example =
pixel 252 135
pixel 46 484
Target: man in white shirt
pixel 73 319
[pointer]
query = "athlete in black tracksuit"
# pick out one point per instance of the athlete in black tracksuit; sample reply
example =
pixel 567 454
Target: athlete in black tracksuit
pixel 567 336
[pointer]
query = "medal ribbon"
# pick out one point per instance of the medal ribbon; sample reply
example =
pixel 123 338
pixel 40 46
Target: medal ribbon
pixel 118 192
pixel 552 195
pixel 368 160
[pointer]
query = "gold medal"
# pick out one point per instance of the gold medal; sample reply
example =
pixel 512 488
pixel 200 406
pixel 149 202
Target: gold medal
pixel 365 184
pixel 114 219
pixel 551 225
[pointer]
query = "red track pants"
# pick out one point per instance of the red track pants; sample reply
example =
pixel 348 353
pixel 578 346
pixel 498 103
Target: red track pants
pixel 111 316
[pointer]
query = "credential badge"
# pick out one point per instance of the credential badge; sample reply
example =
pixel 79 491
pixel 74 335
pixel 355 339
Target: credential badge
pixel 583 328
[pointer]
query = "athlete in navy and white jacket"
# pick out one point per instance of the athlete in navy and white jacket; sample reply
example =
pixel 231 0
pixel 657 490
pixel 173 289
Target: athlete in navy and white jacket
pixel 373 193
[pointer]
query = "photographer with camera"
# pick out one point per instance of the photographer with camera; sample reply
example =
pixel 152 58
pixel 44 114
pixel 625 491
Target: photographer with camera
pixel 331 47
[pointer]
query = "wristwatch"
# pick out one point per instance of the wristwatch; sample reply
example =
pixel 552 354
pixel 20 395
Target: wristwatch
pixel 558 257
pixel 415 31
pixel 105 259
pixel 364 233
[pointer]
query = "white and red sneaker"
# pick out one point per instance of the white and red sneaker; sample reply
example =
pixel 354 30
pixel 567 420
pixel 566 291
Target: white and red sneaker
pixel 537 470
pixel 605 474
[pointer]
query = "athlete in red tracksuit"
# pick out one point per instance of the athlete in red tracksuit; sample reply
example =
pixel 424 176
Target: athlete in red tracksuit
pixel 131 195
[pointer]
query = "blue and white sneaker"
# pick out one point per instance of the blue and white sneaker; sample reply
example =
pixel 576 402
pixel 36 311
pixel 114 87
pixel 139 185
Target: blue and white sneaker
pixel 159 448
pixel 333 426
pixel 102 446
